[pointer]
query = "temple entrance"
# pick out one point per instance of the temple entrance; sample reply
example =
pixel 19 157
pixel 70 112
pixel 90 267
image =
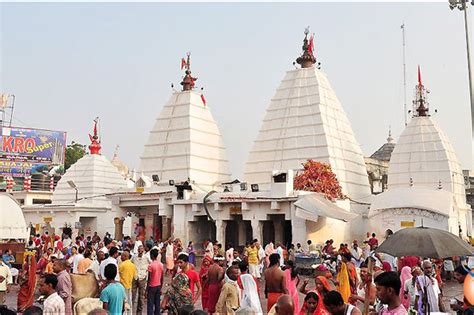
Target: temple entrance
pixel 157 227
pixel 287 235
pixel 88 225
pixel 201 230
pixel 268 232
pixel 238 231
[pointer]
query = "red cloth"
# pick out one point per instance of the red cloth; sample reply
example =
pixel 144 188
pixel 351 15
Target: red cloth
pixel 272 299
pixel 410 261
pixel 193 279
pixel 386 266
pixel 26 295
pixel 204 284
pixel 214 292
pixel 373 242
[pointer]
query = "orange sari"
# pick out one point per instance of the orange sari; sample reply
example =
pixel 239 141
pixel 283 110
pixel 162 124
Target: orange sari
pixel 26 295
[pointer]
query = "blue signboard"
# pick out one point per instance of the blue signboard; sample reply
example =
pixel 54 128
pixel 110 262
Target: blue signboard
pixel 26 151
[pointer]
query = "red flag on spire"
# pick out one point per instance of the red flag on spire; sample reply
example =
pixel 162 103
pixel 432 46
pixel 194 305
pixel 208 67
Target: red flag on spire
pixel 419 76
pixel 203 99
pixel 311 45
pixel 183 63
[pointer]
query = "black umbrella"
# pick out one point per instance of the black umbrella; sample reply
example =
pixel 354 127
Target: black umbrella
pixel 425 242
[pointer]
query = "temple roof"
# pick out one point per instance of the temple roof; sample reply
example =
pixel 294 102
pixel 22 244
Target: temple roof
pixel 425 157
pixel 385 151
pixel 305 120
pixel 93 175
pixel 186 144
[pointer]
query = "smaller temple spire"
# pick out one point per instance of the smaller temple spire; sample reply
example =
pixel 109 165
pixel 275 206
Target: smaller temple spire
pixel 95 147
pixel 389 139
pixel 420 104
pixel 307 59
pixel 188 80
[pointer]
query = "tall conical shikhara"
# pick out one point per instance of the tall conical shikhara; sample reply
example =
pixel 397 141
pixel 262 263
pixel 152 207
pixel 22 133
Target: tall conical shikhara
pixel 185 142
pixel 305 120
pixel 424 156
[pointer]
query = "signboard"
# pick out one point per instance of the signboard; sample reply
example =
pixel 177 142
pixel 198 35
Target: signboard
pixel 48 219
pixel 235 210
pixel 25 151
pixel 407 223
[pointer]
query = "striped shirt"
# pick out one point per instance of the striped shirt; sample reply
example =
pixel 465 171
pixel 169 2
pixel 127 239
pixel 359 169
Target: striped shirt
pixel 54 305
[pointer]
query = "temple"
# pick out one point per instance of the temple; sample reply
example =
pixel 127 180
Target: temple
pixel 425 180
pixel 186 189
pixel 79 200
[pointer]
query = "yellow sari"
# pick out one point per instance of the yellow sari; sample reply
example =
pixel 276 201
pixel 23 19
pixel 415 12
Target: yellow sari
pixel 344 286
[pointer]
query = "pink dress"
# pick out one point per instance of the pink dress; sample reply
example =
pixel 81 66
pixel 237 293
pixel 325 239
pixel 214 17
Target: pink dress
pixel 292 290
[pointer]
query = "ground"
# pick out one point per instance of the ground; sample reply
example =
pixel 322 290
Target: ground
pixel 452 289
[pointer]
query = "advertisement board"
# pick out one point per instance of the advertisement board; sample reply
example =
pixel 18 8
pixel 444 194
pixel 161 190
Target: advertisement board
pixel 26 151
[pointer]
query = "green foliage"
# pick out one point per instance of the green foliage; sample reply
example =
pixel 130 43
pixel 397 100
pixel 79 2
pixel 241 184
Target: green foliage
pixel 74 152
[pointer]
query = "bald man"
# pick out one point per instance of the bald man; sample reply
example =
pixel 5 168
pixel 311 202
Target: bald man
pixel 283 306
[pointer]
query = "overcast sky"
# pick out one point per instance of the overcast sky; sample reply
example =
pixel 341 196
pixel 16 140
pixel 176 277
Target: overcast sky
pixel 68 63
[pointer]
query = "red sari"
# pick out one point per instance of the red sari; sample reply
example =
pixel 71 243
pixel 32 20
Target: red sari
pixel 204 283
pixel 26 295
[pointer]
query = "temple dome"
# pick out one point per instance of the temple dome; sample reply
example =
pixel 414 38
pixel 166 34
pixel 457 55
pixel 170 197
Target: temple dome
pixel 186 144
pixel 305 120
pixel 94 176
pixel 12 224
pixel 425 157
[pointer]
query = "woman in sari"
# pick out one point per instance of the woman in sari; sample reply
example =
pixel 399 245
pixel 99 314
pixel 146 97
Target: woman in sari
pixel 269 249
pixel 292 282
pixel 311 304
pixel 27 281
pixel 405 275
pixel 178 294
pixel 322 288
pixel 343 283
pixel 206 263
pixel 191 253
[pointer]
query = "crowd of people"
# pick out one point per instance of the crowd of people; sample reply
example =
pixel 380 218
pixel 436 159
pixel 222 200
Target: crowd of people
pixel 147 276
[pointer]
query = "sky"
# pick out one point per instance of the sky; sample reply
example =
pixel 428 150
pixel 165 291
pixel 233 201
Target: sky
pixel 69 63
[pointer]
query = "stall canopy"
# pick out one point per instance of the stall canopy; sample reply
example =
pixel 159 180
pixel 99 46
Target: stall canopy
pixel 315 205
pixel 12 223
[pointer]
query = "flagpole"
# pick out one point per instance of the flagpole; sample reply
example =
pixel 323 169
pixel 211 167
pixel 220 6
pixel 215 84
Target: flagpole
pixel 404 76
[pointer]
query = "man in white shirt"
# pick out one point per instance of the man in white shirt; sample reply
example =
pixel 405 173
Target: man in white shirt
pixel 54 304
pixel 428 293
pixel 113 254
pixel 210 248
pixel 77 259
pixel 229 255
pixel 357 254
pixel 6 280
pixel 139 285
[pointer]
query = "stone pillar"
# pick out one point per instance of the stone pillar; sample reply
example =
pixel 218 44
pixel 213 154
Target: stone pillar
pixel 278 225
pixel 298 230
pixel 165 228
pixel 257 229
pixel 220 231
pixel 118 228
pixel 242 234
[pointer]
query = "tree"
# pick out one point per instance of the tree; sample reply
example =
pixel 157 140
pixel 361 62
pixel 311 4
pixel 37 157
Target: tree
pixel 318 177
pixel 74 152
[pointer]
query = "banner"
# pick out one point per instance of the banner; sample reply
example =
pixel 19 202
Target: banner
pixel 25 151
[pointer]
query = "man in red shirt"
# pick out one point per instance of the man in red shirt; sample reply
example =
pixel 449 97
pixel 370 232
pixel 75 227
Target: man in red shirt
pixel 183 263
pixel 155 280
pixel 373 242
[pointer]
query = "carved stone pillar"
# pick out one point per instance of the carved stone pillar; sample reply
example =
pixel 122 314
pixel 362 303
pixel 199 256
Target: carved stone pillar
pixel 220 231
pixel 257 229
pixel 118 228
